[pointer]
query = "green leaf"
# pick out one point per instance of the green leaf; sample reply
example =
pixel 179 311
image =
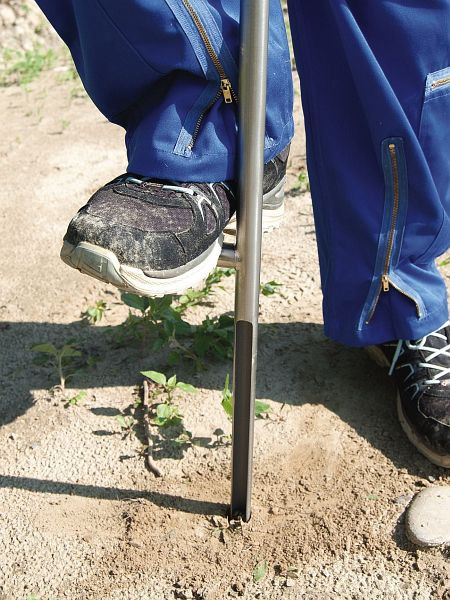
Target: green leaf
pixel 163 411
pixel 46 348
pixel 172 381
pixel 69 350
pixel 157 344
pixel 187 387
pixel 155 376
pixel 121 420
pixel 261 408
pixel 75 399
pixel 260 571
pixel 227 405
pixel 135 301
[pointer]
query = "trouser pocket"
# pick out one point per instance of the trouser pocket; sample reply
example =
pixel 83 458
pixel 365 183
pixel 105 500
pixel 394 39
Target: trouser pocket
pixel 434 138
pixel 386 277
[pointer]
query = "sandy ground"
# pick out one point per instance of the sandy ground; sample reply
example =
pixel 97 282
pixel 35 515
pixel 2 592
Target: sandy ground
pixel 82 518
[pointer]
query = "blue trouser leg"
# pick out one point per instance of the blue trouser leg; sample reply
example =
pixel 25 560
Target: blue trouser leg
pixel 146 66
pixel 376 93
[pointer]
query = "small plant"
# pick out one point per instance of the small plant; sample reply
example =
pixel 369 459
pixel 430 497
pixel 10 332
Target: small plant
pixel 302 184
pixel 166 413
pixel 127 424
pixel 76 399
pixel 270 288
pixel 262 409
pixel 61 359
pixel 22 67
pixel 194 297
pixel 444 262
pixel 94 314
pixel 260 571
pixel 161 324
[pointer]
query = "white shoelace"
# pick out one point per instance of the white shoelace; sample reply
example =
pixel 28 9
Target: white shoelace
pixel 440 371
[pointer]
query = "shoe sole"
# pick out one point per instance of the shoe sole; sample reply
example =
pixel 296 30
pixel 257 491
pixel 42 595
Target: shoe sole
pixel 104 265
pixel 437 459
pixel 271 217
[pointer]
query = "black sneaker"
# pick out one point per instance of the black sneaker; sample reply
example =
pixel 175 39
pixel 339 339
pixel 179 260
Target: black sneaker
pixel 155 237
pixel 422 372
pixel 273 194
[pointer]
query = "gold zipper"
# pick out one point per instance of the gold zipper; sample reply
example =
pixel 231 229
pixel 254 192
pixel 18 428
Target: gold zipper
pixel 385 281
pixel 200 119
pixel 440 82
pixel 225 84
pixel 395 176
pixel 225 89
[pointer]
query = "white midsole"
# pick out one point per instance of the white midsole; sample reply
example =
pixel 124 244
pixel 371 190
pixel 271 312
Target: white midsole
pixel 104 265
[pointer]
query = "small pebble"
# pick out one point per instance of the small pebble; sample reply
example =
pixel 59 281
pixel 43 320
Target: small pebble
pixel 289 583
pixel 428 517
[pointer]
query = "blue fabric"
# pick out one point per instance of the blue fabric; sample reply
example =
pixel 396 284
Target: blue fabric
pixel 144 64
pixel 375 80
pixel 367 71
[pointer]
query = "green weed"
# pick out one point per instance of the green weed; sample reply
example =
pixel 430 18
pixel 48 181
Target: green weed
pixel 302 184
pixel 94 314
pixel 22 67
pixel 262 409
pixel 74 400
pixel 444 262
pixel 62 360
pixel 166 414
pixel 260 571
pixel 159 323
pixel 270 288
pixel 127 424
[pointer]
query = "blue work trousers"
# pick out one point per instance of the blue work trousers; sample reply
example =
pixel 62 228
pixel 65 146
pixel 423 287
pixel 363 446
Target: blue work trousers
pixel 376 96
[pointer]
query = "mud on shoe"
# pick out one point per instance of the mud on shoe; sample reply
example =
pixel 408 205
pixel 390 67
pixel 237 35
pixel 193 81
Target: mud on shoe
pixel 422 372
pixel 150 237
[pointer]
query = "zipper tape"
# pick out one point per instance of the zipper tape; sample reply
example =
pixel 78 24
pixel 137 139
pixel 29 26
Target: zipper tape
pixel 192 34
pixel 187 24
pixel 437 84
pixel 216 38
pixel 392 226
pixel 182 146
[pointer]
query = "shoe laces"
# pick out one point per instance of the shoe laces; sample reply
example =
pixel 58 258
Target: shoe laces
pixel 424 345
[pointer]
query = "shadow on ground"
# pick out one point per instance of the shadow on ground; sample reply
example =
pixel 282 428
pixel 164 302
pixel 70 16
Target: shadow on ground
pixel 297 365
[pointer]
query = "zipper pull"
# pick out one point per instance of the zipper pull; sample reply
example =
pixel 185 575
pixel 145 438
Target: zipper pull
pixel 385 282
pixel 225 86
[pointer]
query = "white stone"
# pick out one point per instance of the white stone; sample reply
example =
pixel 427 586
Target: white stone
pixel 428 517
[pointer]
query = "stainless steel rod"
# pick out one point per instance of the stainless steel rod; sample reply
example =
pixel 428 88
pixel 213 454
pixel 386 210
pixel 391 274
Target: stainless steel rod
pixel 252 119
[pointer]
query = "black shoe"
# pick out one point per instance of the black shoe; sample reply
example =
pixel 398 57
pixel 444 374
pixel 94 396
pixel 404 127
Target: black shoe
pixel 156 237
pixel 422 372
pixel 273 194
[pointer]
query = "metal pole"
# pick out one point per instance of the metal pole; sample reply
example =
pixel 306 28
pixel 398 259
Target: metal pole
pixel 252 119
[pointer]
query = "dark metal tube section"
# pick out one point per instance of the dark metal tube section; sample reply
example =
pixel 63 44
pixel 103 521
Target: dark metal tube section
pixel 252 119
pixel 229 257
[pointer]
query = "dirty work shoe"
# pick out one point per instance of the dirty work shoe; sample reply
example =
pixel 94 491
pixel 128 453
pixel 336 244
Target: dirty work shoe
pixel 422 372
pixel 273 194
pixel 149 237
pixel 154 237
